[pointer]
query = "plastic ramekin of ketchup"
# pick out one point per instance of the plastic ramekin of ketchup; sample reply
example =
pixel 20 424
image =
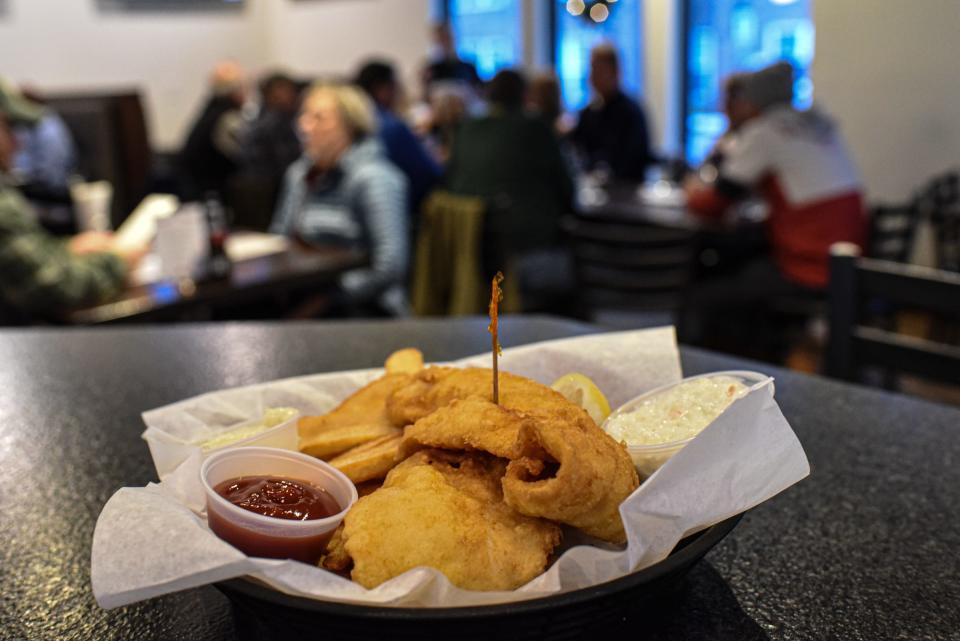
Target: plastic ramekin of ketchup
pixel 275 503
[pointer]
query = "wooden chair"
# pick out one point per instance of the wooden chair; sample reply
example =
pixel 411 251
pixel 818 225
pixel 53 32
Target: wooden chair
pixel 856 340
pixel 624 268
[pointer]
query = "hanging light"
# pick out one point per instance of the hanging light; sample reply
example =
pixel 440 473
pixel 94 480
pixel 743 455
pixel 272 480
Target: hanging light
pixel 599 12
pixel 575 7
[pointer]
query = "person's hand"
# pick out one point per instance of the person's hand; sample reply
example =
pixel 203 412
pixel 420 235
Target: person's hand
pixel 131 256
pixel 90 242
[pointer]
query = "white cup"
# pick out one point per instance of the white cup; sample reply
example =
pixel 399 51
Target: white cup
pixel 267 536
pixel 91 203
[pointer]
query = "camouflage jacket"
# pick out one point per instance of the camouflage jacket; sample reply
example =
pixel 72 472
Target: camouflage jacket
pixel 38 274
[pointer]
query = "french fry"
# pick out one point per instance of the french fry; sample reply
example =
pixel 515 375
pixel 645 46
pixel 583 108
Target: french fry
pixel 371 460
pixel 334 441
pixel 404 361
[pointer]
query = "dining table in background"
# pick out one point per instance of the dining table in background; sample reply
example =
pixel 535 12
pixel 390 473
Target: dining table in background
pixel 865 548
pixel 720 245
pixel 261 280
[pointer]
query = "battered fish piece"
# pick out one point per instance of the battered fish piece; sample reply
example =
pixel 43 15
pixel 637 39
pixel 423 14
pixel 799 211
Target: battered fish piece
pixel 593 476
pixel 443 510
pixel 434 387
pixel 563 467
pixel 474 424
pixel 360 418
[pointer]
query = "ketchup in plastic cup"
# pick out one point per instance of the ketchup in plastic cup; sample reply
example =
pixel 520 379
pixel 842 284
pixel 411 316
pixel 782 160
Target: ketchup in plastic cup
pixel 269 536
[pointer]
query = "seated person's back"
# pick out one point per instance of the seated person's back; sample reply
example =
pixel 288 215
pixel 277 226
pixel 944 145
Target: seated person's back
pixel 514 162
pixel 799 163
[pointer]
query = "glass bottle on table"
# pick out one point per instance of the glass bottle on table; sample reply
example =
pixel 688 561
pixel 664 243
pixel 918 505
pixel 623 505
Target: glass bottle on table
pixel 219 265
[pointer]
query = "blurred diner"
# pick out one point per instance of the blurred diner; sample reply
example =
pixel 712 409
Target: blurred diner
pixel 798 162
pixel 43 275
pixel 212 152
pixel 344 192
pixel 626 164
pixel 379 80
pixel 512 160
pixel 611 133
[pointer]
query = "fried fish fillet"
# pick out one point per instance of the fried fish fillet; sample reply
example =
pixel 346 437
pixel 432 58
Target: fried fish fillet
pixel 434 387
pixel 563 467
pixel 443 510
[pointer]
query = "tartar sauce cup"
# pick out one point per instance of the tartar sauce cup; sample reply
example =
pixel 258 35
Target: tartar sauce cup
pixel 648 458
pixel 268 536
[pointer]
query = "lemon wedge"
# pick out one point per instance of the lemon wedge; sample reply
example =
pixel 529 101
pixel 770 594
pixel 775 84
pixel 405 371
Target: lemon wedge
pixel 579 389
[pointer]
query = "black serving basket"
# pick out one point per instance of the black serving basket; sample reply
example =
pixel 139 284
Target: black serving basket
pixel 263 614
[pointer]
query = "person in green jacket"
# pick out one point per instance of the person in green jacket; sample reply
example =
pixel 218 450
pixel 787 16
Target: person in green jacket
pixel 42 275
pixel 512 160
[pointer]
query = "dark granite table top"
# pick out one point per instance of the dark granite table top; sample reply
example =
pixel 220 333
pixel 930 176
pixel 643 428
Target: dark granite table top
pixel 866 548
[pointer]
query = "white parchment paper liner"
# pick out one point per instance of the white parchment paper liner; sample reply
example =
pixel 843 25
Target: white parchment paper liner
pixel 152 541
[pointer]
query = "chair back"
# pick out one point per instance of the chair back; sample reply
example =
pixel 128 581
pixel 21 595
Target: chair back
pixel 862 287
pixel 892 231
pixel 625 265
pixel 110 132
pixel 448 275
pixel 939 203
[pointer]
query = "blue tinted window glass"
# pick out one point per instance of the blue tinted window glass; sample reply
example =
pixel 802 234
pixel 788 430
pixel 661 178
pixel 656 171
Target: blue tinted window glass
pixel 576 35
pixel 725 36
pixel 488 33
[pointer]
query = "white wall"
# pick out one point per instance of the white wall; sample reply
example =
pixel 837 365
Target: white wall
pixel 71 44
pixel 332 36
pixel 887 70
pixel 661 72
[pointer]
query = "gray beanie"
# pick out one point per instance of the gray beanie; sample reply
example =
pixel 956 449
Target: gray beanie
pixel 769 86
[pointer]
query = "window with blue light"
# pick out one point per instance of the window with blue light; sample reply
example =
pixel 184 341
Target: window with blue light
pixel 726 36
pixel 580 26
pixel 487 33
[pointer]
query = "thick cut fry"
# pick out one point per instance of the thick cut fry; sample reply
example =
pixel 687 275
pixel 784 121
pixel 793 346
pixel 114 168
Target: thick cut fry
pixel 361 417
pixel 336 441
pixel 404 361
pixel 443 510
pixel 364 411
pixel 371 460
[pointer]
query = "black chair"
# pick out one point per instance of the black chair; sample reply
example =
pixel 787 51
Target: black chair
pixel 939 203
pixel 629 274
pixel 892 231
pixel 862 337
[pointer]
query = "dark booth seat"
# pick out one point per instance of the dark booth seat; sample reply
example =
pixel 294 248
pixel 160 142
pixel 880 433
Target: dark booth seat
pixel 110 132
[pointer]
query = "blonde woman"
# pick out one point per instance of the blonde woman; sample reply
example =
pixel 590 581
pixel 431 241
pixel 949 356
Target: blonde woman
pixel 344 192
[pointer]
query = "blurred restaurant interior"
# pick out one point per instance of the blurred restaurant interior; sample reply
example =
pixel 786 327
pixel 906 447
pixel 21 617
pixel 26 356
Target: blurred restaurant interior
pixel 197 196
pixel 595 142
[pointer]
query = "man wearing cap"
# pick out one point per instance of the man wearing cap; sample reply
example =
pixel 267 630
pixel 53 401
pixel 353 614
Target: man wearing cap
pixel 41 275
pixel 798 163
